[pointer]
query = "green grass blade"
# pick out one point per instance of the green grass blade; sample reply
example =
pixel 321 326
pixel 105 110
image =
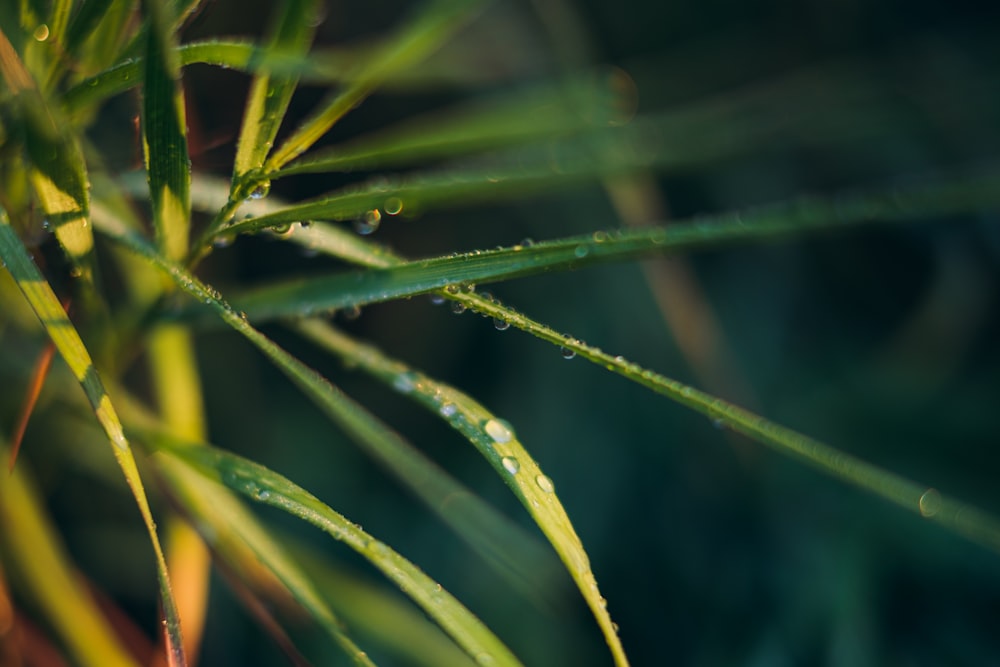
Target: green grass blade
pixel 49 311
pixel 299 297
pixel 498 444
pixel 964 519
pixel 419 36
pixel 32 545
pixel 270 93
pixel 165 135
pixel 541 113
pixel 391 621
pixel 57 170
pixel 267 487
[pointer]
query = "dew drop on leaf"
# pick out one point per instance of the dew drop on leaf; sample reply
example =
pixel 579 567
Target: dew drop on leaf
pixel 510 464
pixel 544 483
pixel 261 191
pixel 498 430
pixel 368 223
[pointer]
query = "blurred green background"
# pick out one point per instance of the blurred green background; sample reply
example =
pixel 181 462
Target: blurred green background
pixel 710 549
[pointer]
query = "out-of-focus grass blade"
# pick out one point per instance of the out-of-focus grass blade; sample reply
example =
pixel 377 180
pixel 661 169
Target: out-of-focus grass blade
pixel 49 311
pixel 268 487
pixel 379 613
pixel 496 538
pixel 497 442
pixel 419 36
pixel 945 196
pixel 165 135
pixel 57 170
pixel 928 502
pixel 270 93
pixel 605 98
pixel 33 546
pixel 559 164
pixel 236 536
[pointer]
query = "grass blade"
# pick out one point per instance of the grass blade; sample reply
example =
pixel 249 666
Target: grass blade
pixel 57 170
pixel 542 113
pixel 420 36
pixel 498 444
pixel 33 546
pixel 300 297
pixel 928 502
pixel 165 135
pixel 268 487
pixel 269 93
pixel 49 311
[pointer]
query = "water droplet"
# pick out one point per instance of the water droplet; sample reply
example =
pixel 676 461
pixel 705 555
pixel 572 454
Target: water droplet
pixel 41 33
pixel 405 382
pixel 393 206
pixel 262 190
pixel 283 230
pixel 437 299
pixel 351 312
pixel 510 464
pixel 544 483
pixel 368 223
pixel 930 503
pixel 581 251
pixel 527 242
pixel 600 237
pixel 457 307
pixel 223 240
pixel 498 430
pixel 451 289
pixel 485 659
pixel 262 494
pixel 719 423
pixel 501 324
pixel 567 353
pixel 448 409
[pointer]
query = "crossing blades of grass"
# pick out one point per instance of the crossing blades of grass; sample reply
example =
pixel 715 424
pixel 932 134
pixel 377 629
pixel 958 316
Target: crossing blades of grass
pixel 498 444
pixel 49 311
pixel 298 297
pixel 964 519
pixel 241 542
pixel 265 486
pixel 270 93
pixel 33 547
pixel 426 480
pixel 419 36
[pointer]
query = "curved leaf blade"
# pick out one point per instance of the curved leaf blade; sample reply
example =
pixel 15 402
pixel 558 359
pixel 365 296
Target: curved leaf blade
pixel 66 339
pixel 164 134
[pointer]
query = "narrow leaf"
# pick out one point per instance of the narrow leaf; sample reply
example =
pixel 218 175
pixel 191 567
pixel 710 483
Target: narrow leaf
pixel 270 93
pixel 57 170
pixel 297 297
pixel 32 544
pixel 555 110
pixel 66 339
pixel 164 135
